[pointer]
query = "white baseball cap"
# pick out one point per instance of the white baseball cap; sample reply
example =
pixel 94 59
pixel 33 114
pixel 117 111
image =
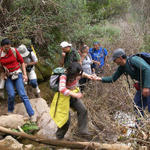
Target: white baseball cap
pixel 23 50
pixel 65 44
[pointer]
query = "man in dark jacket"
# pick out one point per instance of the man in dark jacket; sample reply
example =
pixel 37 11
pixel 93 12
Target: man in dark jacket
pixel 138 69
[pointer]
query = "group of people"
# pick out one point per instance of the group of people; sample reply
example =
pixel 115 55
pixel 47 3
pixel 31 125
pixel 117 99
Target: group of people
pixel 88 64
pixel 80 67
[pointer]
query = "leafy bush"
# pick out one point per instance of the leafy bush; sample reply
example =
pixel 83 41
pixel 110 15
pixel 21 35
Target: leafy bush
pixel 47 23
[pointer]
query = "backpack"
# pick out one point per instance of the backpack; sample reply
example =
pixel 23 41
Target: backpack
pixel 30 49
pixel 102 51
pixel 54 79
pixel 143 55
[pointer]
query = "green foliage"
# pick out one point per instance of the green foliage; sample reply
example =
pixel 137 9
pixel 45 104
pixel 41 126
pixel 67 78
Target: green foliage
pixel 104 9
pixel 146 44
pixel 48 23
pixel 30 127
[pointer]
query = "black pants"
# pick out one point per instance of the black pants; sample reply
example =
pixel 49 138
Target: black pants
pixel 79 107
pixel 82 83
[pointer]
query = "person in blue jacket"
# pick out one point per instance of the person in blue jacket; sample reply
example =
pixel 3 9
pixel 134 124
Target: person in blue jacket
pixel 99 57
pixel 138 69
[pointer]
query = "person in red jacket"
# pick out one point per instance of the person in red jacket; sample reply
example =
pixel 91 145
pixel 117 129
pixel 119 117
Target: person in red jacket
pixel 13 63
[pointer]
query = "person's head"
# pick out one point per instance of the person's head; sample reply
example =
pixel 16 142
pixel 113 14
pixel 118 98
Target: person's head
pixel 65 46
pixel 73 71
pixel 23 50
pixel 84 49
pixel 119 57
pixel 96 45
pixel 5 44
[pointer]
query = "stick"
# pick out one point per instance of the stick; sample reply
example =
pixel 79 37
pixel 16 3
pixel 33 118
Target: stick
pixel 67 144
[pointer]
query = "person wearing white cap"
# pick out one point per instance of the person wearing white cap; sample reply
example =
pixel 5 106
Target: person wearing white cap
pixel 30 60
pixel 69 55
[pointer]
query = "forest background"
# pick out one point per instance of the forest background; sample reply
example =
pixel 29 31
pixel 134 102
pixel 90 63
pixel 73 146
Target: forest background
pixel 115 23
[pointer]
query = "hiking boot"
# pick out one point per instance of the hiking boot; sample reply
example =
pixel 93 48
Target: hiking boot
pixel 85 135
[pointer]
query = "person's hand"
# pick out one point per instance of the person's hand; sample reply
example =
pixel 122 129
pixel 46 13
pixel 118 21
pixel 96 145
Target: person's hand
pixel 95 77
pixel 99 78
pixel 77 95
pixel 97 62
pixel 90 77
pixel 63 54
pixel 146 92
pixel 107 65
pixel 25 78
pixel 25 64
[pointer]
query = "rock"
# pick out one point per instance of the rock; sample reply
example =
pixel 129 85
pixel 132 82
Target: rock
pixel 12 121
pixel 1 137
pixel 42 117
pixel 28 147
pixel 10 143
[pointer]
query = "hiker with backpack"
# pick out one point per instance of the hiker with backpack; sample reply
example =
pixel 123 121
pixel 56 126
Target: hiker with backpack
pixel 68 95
pixel 99 57
pixel 69 54
pixel 138 68
pixel 86 63
pixel 14 66
pixel 30 60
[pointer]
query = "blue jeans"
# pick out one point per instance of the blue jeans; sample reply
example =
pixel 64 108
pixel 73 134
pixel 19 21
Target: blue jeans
pixel 18 83
pixel 33 83
pixel 141 102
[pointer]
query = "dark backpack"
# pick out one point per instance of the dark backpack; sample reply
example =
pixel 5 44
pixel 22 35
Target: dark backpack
pixel 102 51
pixel 143 55
pixel 54 79
pixel 29 68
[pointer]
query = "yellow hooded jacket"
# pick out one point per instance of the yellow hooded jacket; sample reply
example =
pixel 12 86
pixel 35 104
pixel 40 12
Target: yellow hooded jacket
pixel 59 109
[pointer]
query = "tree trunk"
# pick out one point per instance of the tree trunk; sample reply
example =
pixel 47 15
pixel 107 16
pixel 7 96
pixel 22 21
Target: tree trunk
pixel 68 144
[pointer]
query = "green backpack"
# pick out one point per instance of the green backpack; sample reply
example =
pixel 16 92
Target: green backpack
pixel 54 79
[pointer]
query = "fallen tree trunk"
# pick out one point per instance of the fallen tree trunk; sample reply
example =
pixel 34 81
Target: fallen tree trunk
pixel 68 144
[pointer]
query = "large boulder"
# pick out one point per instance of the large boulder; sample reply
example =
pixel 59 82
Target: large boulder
pixel 42 117
pixel 10 143
pixel 12 121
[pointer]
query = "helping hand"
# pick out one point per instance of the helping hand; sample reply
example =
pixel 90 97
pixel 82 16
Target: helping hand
pixel 146 92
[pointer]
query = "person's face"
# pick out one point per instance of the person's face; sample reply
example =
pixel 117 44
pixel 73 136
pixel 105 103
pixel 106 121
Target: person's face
pixel 120 61
pixel 6 48
pixel 87 49
pixel 96 46
pixel 78 77
pixel 66 49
